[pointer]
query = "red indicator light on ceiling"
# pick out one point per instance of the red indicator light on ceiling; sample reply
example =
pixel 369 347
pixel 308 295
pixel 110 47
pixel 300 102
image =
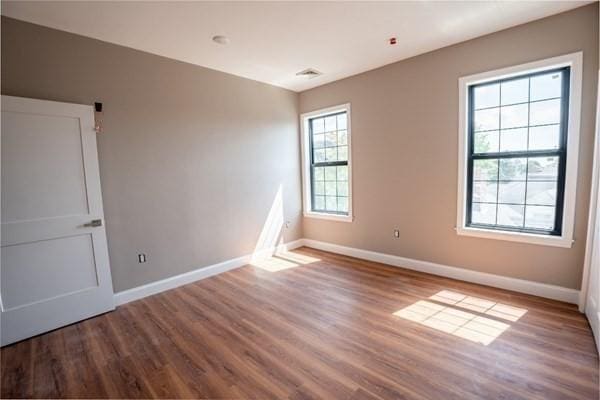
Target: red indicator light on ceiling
pixel 393 40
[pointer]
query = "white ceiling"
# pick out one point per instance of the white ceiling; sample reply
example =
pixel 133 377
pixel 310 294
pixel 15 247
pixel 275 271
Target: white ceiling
pixel 271 41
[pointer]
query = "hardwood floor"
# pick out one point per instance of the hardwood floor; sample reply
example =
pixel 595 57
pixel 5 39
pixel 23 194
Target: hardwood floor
pixel 311 325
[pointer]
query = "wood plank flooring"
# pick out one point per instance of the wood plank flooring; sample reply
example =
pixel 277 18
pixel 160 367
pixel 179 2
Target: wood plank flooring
pixel 314 325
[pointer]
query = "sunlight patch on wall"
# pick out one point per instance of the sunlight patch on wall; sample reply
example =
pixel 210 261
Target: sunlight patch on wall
pixel 451 317
pixel 270 235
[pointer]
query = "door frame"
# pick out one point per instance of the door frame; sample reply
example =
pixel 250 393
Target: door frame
pixel 592 244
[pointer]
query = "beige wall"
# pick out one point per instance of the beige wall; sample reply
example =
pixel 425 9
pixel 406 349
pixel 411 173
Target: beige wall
pixel 191 159
pixel 405 151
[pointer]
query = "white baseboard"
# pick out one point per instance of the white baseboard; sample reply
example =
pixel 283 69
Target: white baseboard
pixel 503 282
pixel 518 285
pixel 172 282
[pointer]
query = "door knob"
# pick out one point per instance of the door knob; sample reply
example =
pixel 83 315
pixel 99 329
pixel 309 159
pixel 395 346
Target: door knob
pixel 93 223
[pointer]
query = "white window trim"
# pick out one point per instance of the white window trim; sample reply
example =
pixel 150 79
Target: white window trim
pixel 573 60
pixel 306 186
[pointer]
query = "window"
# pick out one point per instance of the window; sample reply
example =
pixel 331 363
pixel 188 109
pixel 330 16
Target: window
pixel 518 152
pixel 326 163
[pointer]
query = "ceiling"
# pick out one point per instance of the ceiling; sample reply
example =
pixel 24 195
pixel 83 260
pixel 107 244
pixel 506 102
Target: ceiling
pixel 272 41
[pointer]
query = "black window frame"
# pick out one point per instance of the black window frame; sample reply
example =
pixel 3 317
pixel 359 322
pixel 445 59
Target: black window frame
pixel 314 165
pixel 561 152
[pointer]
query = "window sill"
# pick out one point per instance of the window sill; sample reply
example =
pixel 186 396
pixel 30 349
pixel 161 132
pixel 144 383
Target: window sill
pixel 544 240
pixel 331 217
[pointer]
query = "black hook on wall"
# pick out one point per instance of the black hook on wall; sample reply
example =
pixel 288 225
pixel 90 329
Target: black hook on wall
pixel 98 117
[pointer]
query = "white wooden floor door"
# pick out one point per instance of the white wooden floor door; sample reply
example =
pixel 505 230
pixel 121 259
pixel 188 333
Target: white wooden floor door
pixel 54 259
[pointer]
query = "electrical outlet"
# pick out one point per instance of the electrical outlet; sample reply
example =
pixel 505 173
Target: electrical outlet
pixel 396 233
pixel 142 258
pixel 287 224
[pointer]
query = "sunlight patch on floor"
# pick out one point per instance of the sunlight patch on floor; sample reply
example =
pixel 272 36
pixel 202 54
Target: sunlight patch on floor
pixel 282 261
pixel 297 257
pixel 451 317
pixel 488 307
pixel 273 264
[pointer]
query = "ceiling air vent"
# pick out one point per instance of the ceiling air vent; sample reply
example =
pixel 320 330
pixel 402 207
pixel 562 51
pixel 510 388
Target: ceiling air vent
pixel 309 73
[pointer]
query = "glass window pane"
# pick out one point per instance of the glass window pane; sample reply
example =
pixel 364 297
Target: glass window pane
pixel 318 125
pixel 330 139
pixel 319 203
pixel 512 169
pixel 342 204
pixel 540 217
pixel 514 116
pixel 486 142
pixel 516 91
pixel 343 153
pixel 330 173
pixel 487 120
pixel 318 141
pixel 544 137
pixel 319 187
pixel 330 189
pixel 342 173
pixel 542 169
pixel 541 193
pixel 331 203
pixel 319 155
pixel 545 112
pixel 485 170
pixel 546 86
pixel 319 174
pixel 511 215
pixel 342 137
pixel 342 122
pixel 486 96
pixel 485 191
pixel 482 213
pixel 342 188
pixel 511 192
pixel 330 124
pixel 513 139
pixel 331 154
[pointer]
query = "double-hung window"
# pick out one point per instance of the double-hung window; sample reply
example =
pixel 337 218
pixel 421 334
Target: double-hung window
pixel 326 163
pixel 519 152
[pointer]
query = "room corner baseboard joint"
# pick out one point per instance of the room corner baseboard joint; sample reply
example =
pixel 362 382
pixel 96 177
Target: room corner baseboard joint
pixel 173 282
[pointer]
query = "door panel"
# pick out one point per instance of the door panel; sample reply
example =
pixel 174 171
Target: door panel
pixel 31 145
pixel 36 270
pixel 54 266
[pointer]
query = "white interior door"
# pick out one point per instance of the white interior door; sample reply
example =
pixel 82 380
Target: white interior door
pixel 54 259
pixel 592 310
pixel 590 286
